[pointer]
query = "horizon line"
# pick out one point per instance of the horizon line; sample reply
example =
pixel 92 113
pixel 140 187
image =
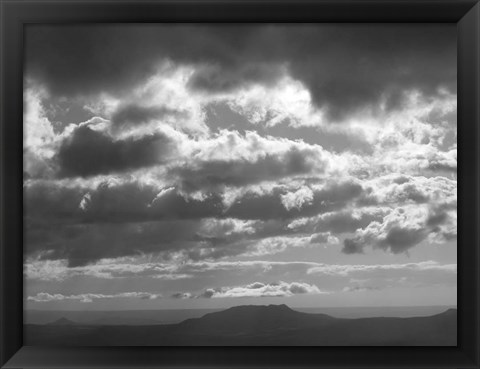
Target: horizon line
pixel 223 308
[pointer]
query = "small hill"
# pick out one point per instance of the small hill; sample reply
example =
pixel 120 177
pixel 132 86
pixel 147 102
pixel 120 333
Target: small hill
pixel 62 321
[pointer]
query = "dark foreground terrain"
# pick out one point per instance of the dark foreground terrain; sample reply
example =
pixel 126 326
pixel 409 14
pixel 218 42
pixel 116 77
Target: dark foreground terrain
pixel 256 326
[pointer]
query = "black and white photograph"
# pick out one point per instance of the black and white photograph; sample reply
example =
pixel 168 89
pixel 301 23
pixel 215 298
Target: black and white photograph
pixel 213 184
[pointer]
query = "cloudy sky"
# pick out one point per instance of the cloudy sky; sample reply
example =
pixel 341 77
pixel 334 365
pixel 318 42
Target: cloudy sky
pixel 185 166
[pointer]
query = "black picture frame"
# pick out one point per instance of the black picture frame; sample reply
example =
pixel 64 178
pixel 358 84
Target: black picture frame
pixel 15 14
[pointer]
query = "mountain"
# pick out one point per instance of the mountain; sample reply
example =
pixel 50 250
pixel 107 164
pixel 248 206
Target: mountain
pixel 62 321
pixel 272 325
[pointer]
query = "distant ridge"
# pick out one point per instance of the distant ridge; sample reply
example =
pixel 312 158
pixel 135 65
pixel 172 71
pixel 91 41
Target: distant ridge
pixel 174 316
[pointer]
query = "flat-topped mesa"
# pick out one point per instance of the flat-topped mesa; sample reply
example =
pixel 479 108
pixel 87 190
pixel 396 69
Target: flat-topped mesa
pixel 62 321
pixel 254 318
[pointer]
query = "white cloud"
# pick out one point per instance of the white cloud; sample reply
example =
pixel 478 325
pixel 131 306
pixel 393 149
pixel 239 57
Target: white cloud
pixel 89 297
pixel 297 199
pixel 167 88
pixel 58 270
pixel 393 189
pixel 345 270
pixel 38 129
pixel 288 101
pixel 142 267
pixel 259 289
pixel 275 245
pixel 403 228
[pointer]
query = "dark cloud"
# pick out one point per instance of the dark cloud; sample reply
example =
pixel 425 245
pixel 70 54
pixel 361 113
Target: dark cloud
pixel 352 246
pixel 82 244
pixel 371 63
pixel 181 295
pixel 115 220
pixel 51 200
pixel 443 167
pixel 75 60
pixel 123 219
pixel 401 180
pixel 208 293
pixel 397 239
pixel 81 60
pixel 116 201
pixel 133 115
pixel 400 239
pixel 345 67
pixel 213 174
pixel 88 152
pixel 436 218
pixel 218 78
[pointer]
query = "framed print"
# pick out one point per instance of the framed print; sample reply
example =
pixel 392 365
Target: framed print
pixel 225 184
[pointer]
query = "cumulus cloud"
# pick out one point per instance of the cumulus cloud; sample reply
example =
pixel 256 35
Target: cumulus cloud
pixel 403 189
pixel 296 199
pixel 403 228
pixel 90 297
pixel 259 289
